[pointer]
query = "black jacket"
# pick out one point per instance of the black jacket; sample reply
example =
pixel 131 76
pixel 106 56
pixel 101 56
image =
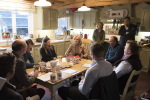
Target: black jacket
pixel 124 37
pixel 47 57
pixel 8 92
pixel 106 88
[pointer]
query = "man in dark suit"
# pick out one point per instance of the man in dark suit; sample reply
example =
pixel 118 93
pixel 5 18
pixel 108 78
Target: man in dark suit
pixel 21 78
pixel 127 31
pixel 7 70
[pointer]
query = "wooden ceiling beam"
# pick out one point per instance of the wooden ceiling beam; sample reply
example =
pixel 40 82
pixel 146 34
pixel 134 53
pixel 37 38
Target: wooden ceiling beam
pixel 94 3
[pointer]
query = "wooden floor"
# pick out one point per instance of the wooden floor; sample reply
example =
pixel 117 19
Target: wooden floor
pixel 143 85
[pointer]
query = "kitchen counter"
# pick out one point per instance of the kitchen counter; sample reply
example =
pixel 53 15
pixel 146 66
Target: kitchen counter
pixel 3 49
pixel 39 43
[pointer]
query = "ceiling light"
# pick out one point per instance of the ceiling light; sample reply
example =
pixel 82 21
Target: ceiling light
pixel 83 8
pixel 42 3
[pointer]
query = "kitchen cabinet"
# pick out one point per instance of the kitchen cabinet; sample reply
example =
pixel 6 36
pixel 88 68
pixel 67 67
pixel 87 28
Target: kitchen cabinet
pixel 90 19
pixel 145 21
pixel 47 18
pixel 145 59
pixel 60 49
pixel 77 20
pixel 67 44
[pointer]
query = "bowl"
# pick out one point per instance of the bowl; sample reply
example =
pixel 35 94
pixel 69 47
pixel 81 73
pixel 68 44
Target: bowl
pixel 48 69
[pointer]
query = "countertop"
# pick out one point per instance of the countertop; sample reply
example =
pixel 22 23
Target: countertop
pixel 38 43
pixel 3 49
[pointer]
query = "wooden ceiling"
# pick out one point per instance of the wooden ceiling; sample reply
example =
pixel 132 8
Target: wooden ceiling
pixel 57 4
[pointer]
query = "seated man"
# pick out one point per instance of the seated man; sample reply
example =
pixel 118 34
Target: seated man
pixel 7 70
pixel 28 56
pixel 115 50
pixel 131 62
pixel 100 68
pixel 21 78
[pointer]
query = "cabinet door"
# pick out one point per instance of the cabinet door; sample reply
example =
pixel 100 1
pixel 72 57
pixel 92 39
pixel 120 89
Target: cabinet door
pixel 145 22
pixel 60 49
pixel 76 20
pixel 46 18
pixel 81 16
pixel 144 57
pixel 54 19
pixel 92 19
pixel 67 44
pixel 87 18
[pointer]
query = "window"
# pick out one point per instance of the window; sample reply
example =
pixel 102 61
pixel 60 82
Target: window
pixel 15 22
pixel 63 25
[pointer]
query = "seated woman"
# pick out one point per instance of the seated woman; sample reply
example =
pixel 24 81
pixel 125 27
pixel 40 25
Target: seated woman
pixel 47 50
pixel 77 48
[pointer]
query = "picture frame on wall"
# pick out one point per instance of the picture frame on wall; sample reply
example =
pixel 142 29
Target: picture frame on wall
pixel 5 35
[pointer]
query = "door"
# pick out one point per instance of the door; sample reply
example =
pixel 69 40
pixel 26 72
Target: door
pixel 145 22
pixel 76 20
pixel 87 18
pixel 92 19
pixel 54 19
pixel 46 18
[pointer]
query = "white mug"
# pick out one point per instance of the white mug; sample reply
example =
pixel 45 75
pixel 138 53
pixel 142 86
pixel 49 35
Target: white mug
pixel 43 68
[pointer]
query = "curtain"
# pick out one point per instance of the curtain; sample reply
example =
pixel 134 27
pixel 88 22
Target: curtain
pixel 17 6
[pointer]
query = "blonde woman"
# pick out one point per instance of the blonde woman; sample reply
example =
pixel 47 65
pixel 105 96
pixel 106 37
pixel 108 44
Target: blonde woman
pixel 47 50
pixel 77 48
pixel 99 33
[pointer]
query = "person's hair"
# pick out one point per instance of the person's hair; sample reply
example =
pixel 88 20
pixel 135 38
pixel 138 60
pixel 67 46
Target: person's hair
pixel 80 40
pixel 133 46
pixel 43 45
pixel 127 18
pixel 97 49
pixel 29 41
pixel 115 39
pixel 18 46
pixel 101 23
pixel 7 63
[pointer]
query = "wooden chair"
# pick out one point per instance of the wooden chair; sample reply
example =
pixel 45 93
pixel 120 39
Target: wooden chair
pixel 87 43
pixel 128 95
pixel 26 88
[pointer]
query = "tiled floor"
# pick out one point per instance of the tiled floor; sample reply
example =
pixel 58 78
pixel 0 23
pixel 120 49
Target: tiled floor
pixel 142 86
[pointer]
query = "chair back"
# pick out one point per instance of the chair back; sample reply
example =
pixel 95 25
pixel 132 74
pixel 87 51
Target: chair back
pixel 71 40
pixel 129 89
pixel 87 43
pixel 2 82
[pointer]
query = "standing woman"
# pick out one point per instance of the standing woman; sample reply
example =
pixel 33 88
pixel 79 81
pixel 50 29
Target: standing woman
pixel 77 48
pixel 99 33
pixel 47 50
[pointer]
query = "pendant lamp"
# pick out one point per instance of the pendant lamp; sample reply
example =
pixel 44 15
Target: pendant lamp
pixel 84 8
pixel 42 3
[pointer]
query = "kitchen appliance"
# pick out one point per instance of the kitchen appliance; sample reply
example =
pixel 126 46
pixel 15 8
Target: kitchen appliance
pixel 39 39
pixel 85 36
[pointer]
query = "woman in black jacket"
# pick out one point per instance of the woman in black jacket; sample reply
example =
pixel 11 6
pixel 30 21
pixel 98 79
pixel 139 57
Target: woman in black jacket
pixel 47 50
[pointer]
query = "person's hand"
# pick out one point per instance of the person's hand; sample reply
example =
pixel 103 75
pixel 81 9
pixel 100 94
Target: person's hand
pixel 54 58
pixel 114 67
pixel 81 55
pixel 137 98
pixel 81 81
pixel 36 73
pixel 145 95
pixel 41 63
pixel 31 75
pixel 66 54
pixel 127 32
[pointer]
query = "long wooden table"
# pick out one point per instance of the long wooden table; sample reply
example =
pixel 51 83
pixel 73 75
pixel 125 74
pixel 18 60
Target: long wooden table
pixel 53 86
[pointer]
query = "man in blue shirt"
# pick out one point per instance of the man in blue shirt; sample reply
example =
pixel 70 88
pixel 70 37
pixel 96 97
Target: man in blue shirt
pixel 28 56
pixel 115 50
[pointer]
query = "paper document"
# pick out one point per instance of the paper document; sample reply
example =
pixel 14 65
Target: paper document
pixel 45 77
pixel 70 71
pixel 85 65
